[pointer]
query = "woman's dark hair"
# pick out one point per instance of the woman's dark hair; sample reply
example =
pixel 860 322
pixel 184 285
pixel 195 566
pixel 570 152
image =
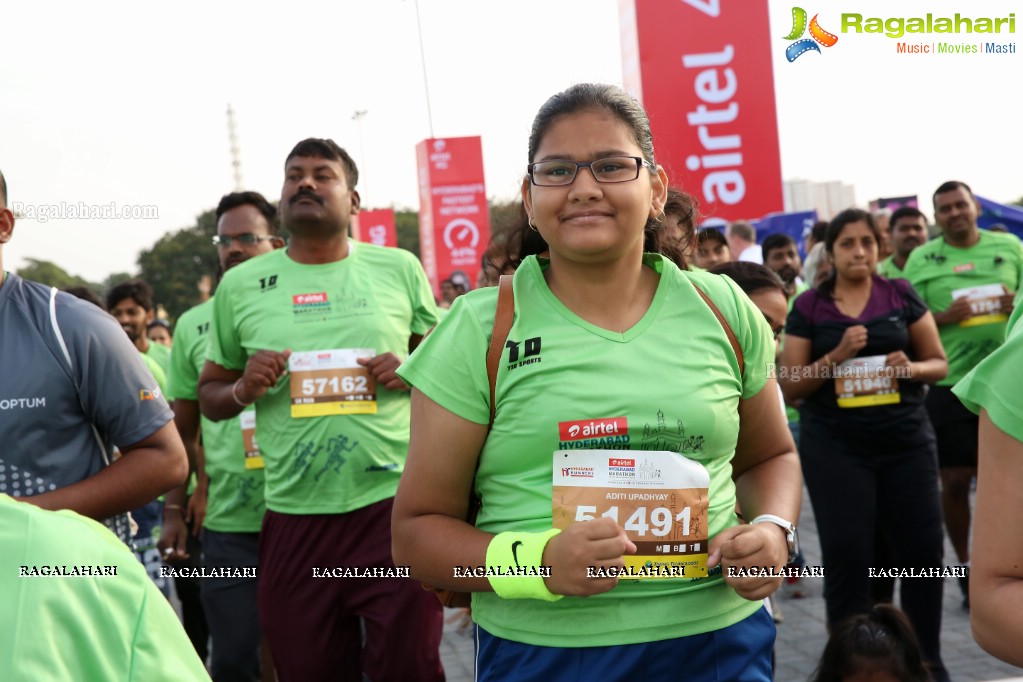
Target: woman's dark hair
pixel 882 639
pixel 686 207
pixel 751 277
pixel 835 227
pixel 610 98
pixel 506 251
pixel 819 229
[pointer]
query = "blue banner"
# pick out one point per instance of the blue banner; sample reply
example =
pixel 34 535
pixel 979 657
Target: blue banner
pixel 994 213
pixel 797 225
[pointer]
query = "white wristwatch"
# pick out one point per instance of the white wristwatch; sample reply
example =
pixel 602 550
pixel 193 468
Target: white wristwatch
pixel 791 535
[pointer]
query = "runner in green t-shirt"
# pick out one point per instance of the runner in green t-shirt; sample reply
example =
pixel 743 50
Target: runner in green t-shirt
pixel 108 622
pixel 908 230
pixel 992 391
pixel 967 277
pixel 227 504
pixel 312 335
pixel 131 304
pixel 616 383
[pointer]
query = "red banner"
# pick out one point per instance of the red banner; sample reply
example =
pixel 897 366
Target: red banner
pixel 376 227
pixel 454 219
pixel 702 69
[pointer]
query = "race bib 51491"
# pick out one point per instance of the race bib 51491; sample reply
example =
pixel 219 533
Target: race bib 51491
pixel 659 498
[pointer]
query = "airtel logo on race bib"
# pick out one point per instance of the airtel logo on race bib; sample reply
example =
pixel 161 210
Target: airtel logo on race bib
pixel 593 428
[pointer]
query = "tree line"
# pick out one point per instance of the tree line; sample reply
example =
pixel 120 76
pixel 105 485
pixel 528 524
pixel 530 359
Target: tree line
pixel 178 261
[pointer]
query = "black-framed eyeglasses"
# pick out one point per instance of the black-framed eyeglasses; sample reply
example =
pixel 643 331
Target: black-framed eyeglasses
pixel 562 172
pixel 247 239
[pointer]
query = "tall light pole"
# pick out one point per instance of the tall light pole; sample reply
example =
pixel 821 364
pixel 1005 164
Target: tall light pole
pixel 357 117
pixel 426 81
pixel 236 161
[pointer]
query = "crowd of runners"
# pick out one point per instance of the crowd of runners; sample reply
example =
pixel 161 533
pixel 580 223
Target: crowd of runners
pixel 600 452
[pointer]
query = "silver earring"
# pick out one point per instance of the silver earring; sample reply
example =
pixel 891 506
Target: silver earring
pixel 532 224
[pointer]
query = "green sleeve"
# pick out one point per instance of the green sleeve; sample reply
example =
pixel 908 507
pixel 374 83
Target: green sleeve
pixel 994 386
pixel 225 347
pixel 462 386
pixel 424 308
pixel 158 374
pixel 749 326
pixel 161 650
pixel 756 340
pixel 183 380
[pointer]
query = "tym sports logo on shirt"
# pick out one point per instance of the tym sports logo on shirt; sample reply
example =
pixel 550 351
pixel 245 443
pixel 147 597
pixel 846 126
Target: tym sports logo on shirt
pixel 604 433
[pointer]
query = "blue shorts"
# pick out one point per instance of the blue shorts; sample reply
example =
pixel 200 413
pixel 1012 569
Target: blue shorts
pixel 739 653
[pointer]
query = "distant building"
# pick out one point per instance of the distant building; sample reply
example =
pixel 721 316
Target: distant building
pixel 827 198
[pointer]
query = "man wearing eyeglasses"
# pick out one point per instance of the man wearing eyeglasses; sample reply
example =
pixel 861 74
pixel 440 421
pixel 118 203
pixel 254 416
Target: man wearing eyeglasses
pixel 312 335
pixel 227 504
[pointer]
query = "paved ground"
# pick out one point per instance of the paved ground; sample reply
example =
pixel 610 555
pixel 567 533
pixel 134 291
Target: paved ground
pixel 802 635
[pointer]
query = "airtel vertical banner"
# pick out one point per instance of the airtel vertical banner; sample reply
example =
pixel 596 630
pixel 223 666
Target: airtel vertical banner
pixel 702 69
pixel 376 227
pixel 454 219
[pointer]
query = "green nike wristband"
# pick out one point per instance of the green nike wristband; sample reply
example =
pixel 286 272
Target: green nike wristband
pixel 520 550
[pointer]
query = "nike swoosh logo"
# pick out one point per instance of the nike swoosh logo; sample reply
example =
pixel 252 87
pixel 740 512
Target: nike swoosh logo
pixel 515 552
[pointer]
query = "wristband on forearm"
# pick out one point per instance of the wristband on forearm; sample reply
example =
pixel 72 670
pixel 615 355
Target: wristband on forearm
pixel 513 549
pixel 234 394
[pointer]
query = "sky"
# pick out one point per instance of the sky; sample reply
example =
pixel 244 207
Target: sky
pixel 124 108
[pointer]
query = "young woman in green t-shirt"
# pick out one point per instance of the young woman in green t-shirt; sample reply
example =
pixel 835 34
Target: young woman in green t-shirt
pixel 614 363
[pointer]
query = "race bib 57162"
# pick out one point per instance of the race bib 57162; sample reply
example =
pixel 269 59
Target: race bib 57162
pixel 331 382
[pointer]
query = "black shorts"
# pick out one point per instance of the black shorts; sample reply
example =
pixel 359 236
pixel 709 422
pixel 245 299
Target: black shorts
pixel 955 427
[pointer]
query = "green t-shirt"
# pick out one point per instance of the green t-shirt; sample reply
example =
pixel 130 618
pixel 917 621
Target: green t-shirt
pixel 158 372
pixel 161 354
pixel 994 386
pixel 936 269
pixel 234 501
pixel 888 268
pixel 1017 310
pixel 84 627
pixel 569 372
pixel 373 299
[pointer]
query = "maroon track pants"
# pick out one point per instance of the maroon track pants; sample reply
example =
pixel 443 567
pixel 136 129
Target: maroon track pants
pixel 313 624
